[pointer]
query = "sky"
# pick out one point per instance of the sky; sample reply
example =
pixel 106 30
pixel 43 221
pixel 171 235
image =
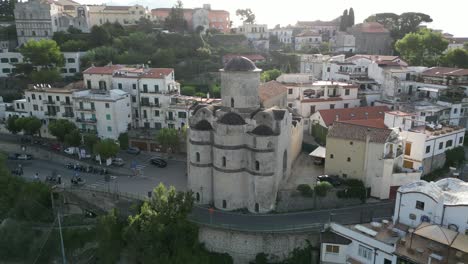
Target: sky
pixel 448 15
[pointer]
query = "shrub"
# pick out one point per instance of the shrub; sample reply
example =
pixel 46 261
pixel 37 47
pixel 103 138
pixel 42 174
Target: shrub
pixel 454 157
pixel 188 90
pixel 305 190
pixel 355 189
pixel 322 188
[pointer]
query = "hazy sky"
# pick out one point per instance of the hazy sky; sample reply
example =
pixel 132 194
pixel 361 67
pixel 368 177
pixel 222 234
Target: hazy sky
pixel 450 15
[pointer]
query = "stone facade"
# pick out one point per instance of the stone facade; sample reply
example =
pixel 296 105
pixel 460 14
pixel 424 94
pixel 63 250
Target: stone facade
pixel 238 151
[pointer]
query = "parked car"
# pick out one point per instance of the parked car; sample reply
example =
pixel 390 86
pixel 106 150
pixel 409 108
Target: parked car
pixel 24 157
pixel 133 150
pixel 158 162
pixel 55 147
pixel 13 156
pixel 333 180
pixel 118 162
pixel 71 150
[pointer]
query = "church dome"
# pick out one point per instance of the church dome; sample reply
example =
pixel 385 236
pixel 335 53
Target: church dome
pixel 240 63
pixel 233 119
pixel 203 125
pixel 263 130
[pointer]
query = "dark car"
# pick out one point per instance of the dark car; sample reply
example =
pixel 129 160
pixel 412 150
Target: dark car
pixel 158 162
pixel 133 150
pixel 333 180
pixel 13 156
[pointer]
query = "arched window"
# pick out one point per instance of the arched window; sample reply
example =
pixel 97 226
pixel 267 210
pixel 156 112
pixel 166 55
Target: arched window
pixel 232 102
pixel 224 161
pixel 257 207
pixel 257 165
pixel 224 204
pixel 197 156
pixel 198 197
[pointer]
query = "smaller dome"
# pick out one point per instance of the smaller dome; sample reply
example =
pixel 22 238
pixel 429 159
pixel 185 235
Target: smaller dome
pixel 233 119
pixel 240 63
pixel 203 125
pixel 263 130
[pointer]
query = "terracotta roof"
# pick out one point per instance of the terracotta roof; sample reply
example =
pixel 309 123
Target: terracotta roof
pixel 371 27
pixel 157 73
pixel 103 70
pixel 358 132
pixel 357 113
pixel 376 123
pixel 380 59
pixel 400 113
pixel 270 89
pixel 443 71
pixel 252 57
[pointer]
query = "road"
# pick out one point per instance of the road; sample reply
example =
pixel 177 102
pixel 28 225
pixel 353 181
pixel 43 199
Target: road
pixel 172 175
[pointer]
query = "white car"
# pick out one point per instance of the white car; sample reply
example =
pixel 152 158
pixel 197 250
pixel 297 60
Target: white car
pixel 70 150
pixel 118 162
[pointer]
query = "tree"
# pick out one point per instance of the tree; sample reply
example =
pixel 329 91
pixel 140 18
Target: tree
pixel 74 45
pixel 30 125
pixel 188 90
pixel 99 36
pixel 423 48
pixel 344 20
pixel 465 46
pixel 90 140
pixel 45 76
pixel 106 148
pixel 176 21
pixel 100 56
pixel 60 128
pixel 123 141
pixel 351 17
pixel 109 238
pixel 11 124
pixel 400 25
pixel 73 139
pixel 270 75
pixel 246 15
pixel 44 53
pixel 457 58
pixel 168 138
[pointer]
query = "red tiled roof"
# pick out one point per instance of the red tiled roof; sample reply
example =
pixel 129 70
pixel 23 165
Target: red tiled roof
pixel 157 72
pixel 357 113
pixel 376 123
pixel 103 70
pixel 380 59
pixel 371 27
pixel 270 89
pixel 443 71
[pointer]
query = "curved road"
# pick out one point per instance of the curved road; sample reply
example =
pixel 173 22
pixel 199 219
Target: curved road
pixel 300 221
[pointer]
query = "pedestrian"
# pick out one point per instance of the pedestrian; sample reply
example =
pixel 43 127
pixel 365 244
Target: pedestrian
pixel 36 176
pixel 20 169
pixel 59 179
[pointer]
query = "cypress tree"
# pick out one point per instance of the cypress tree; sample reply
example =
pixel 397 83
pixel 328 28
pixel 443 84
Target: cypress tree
pixel 351 17
pixel 344 20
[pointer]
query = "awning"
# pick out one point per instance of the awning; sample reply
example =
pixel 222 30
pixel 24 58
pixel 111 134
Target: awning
pixel 427 89
pixel 461 243
pixel 436 233
pixel 319 152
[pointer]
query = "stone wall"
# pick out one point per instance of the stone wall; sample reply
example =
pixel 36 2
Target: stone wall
pixel 433 163
pixel 244 246
pixel 291 200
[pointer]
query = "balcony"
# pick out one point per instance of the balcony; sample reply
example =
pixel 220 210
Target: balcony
pixel 146 104
pixel 82 109
pixel 68 115
pixel 168 118
pixel 86 120
pixel 393 155
pixel 88 131
pixel 66 103
pixel 50 113
pixel 48 102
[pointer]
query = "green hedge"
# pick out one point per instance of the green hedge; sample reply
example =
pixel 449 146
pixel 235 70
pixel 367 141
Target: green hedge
pixel 305 190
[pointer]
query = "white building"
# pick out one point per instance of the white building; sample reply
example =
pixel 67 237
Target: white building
pixel 39 19
pixel 155 95
pixel 309 96
pixel 313 64
pixel 284 34
pixel 9 59
pixel 307 40
pixel 426 143
pixel 253 31
pixel 106 113
pixel 124 15
pixel 238 152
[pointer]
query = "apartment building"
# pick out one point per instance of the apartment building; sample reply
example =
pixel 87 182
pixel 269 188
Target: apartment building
pixel 124 15
pixel 155 95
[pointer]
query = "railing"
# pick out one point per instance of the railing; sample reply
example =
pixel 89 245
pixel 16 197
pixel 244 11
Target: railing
pixel 50 113
pixel 89 131
pixel 144 104
pixel 48 102
pixel 86 109
pixel 68 115
pixel 84 120
pixel 66 103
